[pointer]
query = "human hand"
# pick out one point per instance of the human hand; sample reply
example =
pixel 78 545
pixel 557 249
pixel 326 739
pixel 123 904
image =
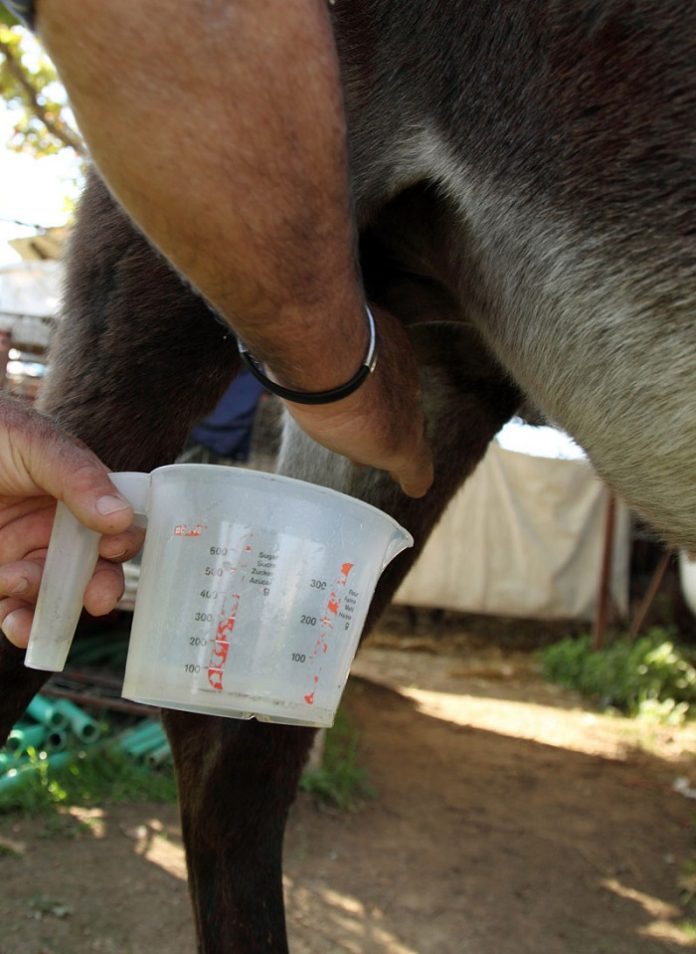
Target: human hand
pixel 382 424
pixel 39 464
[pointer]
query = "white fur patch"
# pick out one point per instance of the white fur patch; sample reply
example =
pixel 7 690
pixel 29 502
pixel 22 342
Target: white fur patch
pixel 584 332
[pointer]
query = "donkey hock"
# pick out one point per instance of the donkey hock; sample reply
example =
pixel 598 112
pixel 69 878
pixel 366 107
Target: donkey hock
pixel 524 183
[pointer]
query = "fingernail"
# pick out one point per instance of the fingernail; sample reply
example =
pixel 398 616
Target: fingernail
pixel 10 626
pixel 21 586
pixel 108 505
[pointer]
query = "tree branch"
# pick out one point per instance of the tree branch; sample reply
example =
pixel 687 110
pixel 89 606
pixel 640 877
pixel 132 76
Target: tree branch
pixel 54 125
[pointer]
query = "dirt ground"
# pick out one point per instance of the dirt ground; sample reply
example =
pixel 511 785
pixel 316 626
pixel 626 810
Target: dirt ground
pixel 509 819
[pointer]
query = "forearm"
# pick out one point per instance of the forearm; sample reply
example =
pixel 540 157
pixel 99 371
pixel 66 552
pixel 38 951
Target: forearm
pixel 220 128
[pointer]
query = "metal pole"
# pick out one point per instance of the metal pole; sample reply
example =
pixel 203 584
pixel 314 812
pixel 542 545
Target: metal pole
pixel 650 595
pixel 604 595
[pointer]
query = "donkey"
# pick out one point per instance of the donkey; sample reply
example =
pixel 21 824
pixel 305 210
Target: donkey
pixel 524 180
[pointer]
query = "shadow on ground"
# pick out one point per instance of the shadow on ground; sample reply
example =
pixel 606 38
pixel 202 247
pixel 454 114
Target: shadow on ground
pixel 478 842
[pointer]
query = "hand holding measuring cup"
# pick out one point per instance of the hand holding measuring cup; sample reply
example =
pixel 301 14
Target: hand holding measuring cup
pixel 39 464
pixel 253 591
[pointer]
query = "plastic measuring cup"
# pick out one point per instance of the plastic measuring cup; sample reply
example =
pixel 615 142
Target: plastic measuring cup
pixel 253 591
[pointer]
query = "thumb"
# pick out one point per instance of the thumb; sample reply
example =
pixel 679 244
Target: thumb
pixel 91 496
pixel 44 459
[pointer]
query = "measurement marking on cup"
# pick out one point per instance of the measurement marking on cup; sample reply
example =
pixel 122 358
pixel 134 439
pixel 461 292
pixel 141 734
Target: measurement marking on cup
pixel 229 559
pixel 333 606
pixel 221 644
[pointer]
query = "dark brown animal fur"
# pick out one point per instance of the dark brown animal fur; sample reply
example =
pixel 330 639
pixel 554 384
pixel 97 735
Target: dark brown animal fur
pixel 524 184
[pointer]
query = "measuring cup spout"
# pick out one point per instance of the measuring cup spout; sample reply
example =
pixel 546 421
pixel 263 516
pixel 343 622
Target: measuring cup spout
pixel 70 560
pixel 401 540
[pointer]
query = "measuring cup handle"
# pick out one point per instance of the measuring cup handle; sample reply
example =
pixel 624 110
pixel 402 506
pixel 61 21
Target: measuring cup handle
pixel 70 560
pixel 135 487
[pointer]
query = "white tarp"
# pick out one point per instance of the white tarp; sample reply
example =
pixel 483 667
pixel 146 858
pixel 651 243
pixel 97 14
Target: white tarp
pixel 524 536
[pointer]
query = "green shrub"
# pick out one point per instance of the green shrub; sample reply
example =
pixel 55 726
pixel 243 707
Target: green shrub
pixel 651 677
pixel 92 778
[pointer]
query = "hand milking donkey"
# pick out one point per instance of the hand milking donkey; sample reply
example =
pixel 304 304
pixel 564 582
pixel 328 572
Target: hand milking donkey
pixel 524 181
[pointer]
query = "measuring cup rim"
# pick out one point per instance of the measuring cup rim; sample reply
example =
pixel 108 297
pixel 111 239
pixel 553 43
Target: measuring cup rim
pixel 244 472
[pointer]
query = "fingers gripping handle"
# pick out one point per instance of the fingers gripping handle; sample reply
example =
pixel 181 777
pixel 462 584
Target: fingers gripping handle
pixel 72 555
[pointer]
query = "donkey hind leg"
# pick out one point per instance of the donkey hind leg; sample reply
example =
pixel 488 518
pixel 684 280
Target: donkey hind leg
pixel 19 685
pixel 137 360
pixel 237 781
